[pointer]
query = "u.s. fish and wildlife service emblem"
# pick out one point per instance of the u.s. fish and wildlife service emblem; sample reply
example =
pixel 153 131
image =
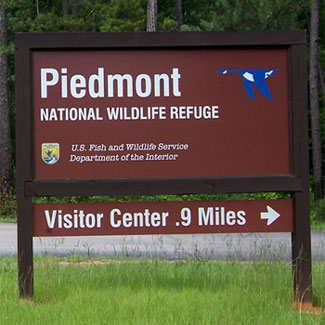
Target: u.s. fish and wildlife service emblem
pixel 50 153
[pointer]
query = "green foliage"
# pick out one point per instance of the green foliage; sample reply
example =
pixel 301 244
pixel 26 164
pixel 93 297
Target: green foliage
pixel 124 15
pixel 196 10
pixel 168 24
pixel 160 198
pixel 8 204
pixel 247 15
pixel 317 214
pixel 166 15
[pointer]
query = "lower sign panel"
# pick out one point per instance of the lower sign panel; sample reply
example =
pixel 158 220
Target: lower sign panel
pixel 138 218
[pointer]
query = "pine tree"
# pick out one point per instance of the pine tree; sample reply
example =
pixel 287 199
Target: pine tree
pixel 152 14
pixel 179 14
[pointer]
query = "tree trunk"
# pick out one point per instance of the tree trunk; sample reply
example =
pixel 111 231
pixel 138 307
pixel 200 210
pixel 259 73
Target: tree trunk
pixel 321 78
pixel 65 8
pixel 179 14
pixel 314 100
pixel 75 13
pixel 37 8
pixel 93 13
pixel 152 13
pixel 5 142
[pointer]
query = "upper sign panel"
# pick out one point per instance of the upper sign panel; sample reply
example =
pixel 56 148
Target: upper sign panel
pixel 160 113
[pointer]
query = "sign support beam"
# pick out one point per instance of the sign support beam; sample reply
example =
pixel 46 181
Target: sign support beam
pixel 301 236
pixel 25 249
pixel 24 173
pixel 301 251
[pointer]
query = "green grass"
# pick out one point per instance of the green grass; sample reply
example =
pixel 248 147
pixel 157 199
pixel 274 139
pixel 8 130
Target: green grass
pixel 318 225
pixel 317 214
pixel 135 291
pixel 8 219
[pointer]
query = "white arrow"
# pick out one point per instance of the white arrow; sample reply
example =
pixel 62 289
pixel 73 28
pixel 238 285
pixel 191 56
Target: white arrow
pixel 271 215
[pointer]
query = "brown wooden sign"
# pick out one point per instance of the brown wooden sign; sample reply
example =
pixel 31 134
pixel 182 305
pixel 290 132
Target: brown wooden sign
pixel 162 113
pixel 110 114
pixel 142 218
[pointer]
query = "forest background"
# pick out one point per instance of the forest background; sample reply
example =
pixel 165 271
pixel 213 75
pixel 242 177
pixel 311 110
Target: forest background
pixel 162 15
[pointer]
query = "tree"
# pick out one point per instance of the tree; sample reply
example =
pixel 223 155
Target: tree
pixel 74 5
pixel 152 14
pixel 314 100
pixel 5 142
pixel 75 9
pixel 121 16
pixel 179 14
pixel 65 8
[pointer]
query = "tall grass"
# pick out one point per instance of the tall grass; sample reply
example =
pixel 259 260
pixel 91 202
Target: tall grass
pixel 137 291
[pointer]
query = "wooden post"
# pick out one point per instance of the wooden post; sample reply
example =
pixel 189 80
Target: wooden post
pixel 301 236
pixel 24 173
pixel 25 249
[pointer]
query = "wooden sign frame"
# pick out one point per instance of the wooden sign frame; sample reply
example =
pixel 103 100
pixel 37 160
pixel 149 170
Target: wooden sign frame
pixel 296 182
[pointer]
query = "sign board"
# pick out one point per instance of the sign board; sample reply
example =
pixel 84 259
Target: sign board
pixel 143 218
pixel 162 113
pixel 110 114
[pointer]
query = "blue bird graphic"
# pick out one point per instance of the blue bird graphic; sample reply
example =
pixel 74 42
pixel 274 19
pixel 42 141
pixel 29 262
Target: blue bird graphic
pixel 251 77
pixel 49 153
